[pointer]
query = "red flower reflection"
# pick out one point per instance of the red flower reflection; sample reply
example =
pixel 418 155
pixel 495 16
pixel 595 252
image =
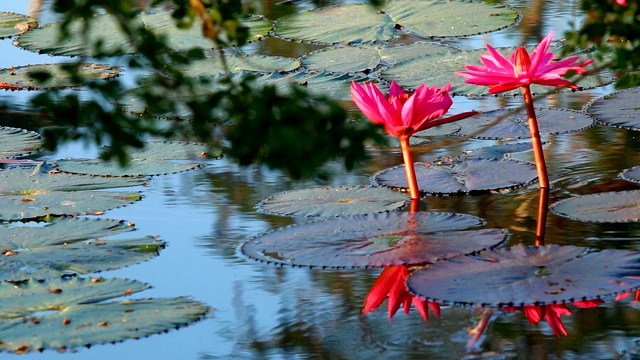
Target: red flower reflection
pixel 551 313
pixel 392 284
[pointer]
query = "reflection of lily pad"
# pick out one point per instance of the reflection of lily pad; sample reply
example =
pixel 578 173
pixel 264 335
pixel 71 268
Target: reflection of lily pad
pixel 50 76
pixel 614 207
pixel 18 142
pixel 373 240
pixel 619 109
pixel 15 24
pixel 62 314
pixel 521 276
pixel 362 23
pixel 43 252
pixel 507 124
pixel 336 201
pixel 632 174
pixel 471 176
pixel 152 160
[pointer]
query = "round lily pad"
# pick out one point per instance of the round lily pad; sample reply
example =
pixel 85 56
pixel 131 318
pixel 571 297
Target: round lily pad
pixel 460 177
pixel 510 124
pixel 333 201
pixel 499 152
pixel 257 63
pixel 373 240
pixel 51 76
pixel 609 207
pixel 12 24
pixel 618 109
pixel 16 142
pixel 522 276
pixel 632 174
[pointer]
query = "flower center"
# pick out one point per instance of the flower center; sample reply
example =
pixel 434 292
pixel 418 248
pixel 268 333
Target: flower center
pixel 522 61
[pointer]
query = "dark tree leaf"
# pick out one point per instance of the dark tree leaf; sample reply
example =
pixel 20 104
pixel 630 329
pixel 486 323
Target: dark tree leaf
pixel 611 207
pixel 460 177
pixel 619 109
pixel 373 240
pixel 521 276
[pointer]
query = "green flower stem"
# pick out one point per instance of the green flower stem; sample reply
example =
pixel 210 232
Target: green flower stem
pixel 538 155
pixel 414 191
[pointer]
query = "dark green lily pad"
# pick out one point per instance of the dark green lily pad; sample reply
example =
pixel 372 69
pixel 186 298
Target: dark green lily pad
pixel 461 177
pixel 257 63
pixel 61 315
pixel 12 24
pixel 373 240
pixel 522 276
pixel 60 247
pixel 150 161
pixel 619 109
pixel 333 201
pixel 16 142
pixel 22 78
pixel 362 23
pixel 333 85
pixel 609 207
pixel 509 124
pixel 439 68
pixel 632 174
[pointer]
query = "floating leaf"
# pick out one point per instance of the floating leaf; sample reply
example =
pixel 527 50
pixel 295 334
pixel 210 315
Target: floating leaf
pixel 152 160
pixel 335 86
pixel 460 177
pixel 521 276
pixel 16 142
pixel 12 24
pixel 611 207
pixel 32 77
pixel 333 201
pixel 632 174
pixel 344 59
pixel 619 109
pixel 373 240
pixel 257 63
pixel 499 152
pixel 509 124
pixel 362 23
pixel 60 314
pixel 52 250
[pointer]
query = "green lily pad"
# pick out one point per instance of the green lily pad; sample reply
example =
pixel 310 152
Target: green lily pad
pixel 510 124
pixel 22 78
pixel 362 23
pixel 257 63
pixel 59 248
pixel 373 240
pixel 62 314
pixel 333 201
pixel 439 68
pixel 632 174
pixel 12 24
pixel 15 143
pixel 461 177
pixel 609 207
pixel 619 109
pixel 151 161
pixel 499 152
pixel 522 276
pixel 333 85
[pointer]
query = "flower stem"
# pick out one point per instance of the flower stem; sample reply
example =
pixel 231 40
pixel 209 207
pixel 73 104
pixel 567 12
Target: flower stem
pixel 414 191
pixel 538 155
pixel 543 207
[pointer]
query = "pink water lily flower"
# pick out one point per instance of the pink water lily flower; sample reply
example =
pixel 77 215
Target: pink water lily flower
pixel 501 74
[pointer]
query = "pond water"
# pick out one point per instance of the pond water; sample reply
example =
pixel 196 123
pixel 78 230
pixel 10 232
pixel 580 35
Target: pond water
pixel 260 311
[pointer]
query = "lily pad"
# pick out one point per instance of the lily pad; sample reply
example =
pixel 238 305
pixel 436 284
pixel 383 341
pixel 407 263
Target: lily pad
pixel 62 314
pixel 499 152
pixel 333 201
pixel 632 174
pixel 150 161
pixel 55 76
pixel 522 276
pixel 461 177
pixel 373 240
pixel 16 142
pixel 619 109
pixel 333 85
pixel 59 248
pixel 12 24
pixel 510 124
pixel 257 63
pixel 607 207
pixel 362 23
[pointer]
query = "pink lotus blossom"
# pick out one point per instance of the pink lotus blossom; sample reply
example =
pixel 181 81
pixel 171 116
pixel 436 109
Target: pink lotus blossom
pixel 501 74
pixel 622 2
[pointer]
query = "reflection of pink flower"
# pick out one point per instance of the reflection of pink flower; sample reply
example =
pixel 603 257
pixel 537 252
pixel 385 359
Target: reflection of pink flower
pixel 391 283
pixel 551 313
pixel 502 74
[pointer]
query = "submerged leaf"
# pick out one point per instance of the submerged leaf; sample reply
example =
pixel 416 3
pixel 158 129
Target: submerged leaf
pixel 619 109
pixel 373 240
pixel 460 177
pixel 611 207
pixel 522 276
